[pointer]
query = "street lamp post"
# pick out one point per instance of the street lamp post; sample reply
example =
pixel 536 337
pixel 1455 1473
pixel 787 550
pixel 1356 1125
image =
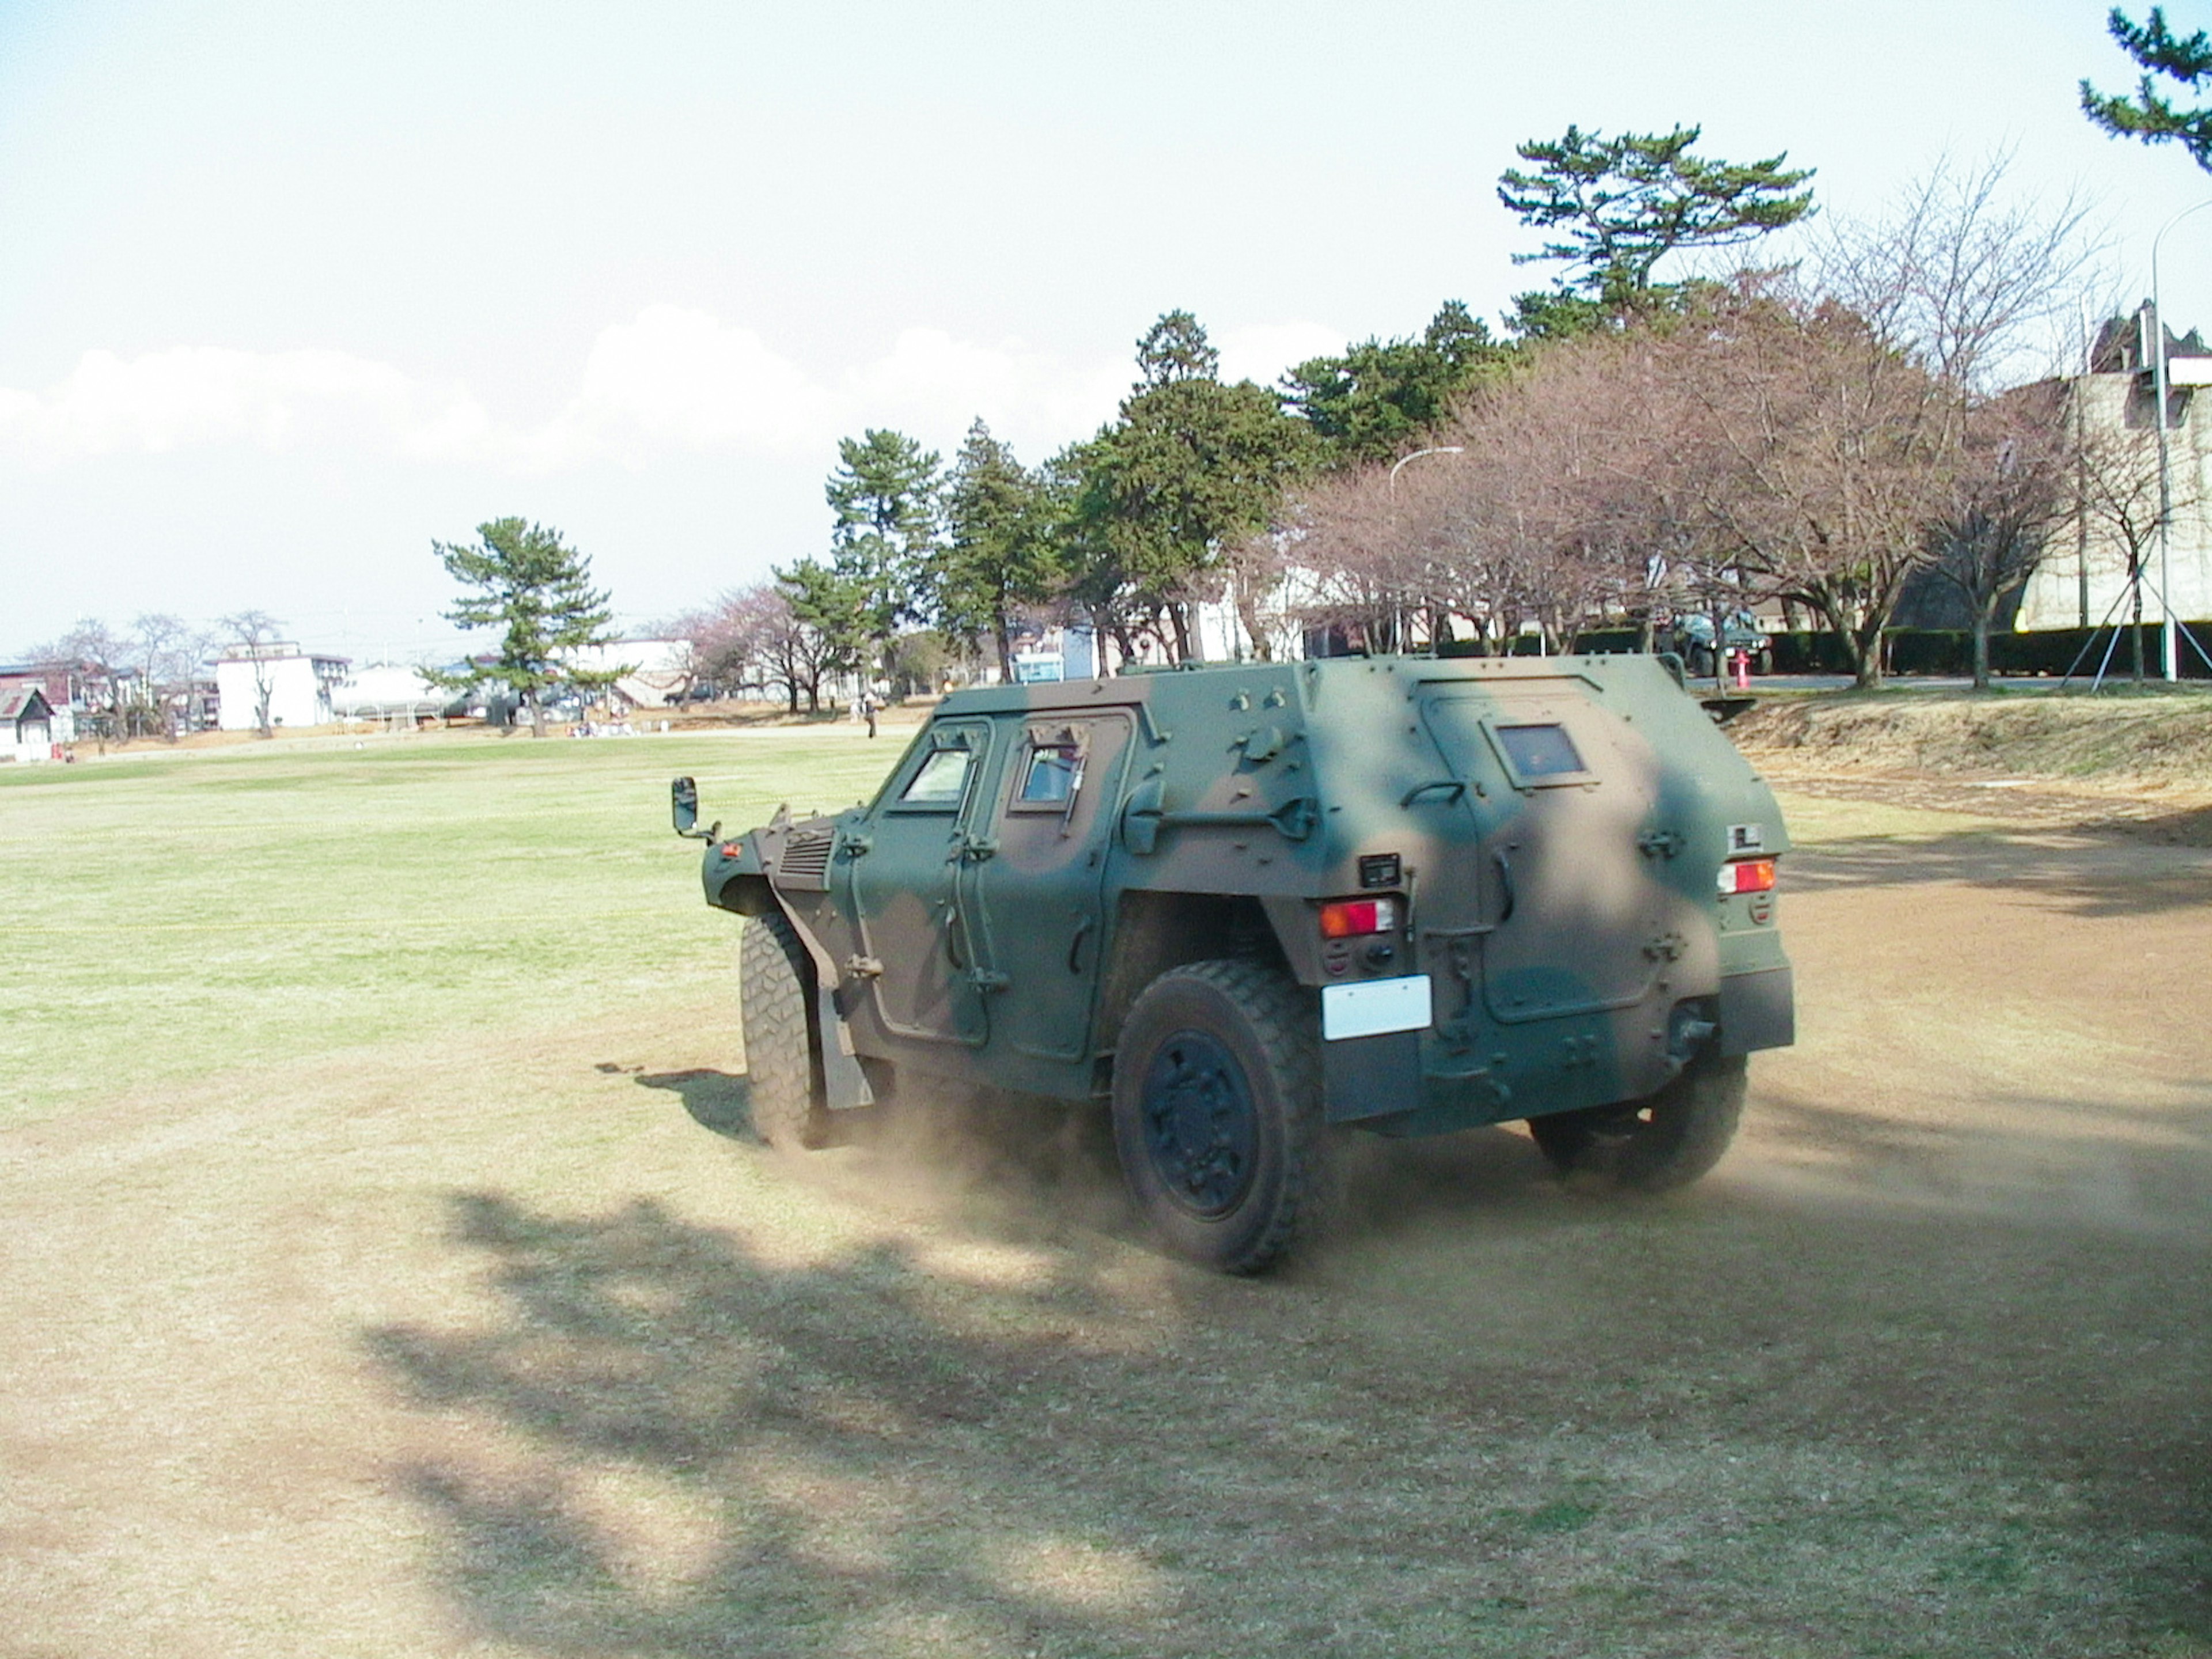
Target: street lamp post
pixel 1398 619
pixel 2170 639
pixel 1456 449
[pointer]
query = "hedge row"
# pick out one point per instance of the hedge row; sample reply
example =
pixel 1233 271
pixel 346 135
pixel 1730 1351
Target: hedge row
pixel 1950 651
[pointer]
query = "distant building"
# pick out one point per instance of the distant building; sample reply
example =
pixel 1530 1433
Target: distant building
pixel 27 725
pixel 2083 578
pixel 299 684
pixel 661 670
pixel 58 685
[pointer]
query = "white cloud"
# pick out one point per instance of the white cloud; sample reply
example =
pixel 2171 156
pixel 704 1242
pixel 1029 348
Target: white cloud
pixel 671 381
pixel 193 396
pixel 932 383
pixel 683 380
pixel 1264 351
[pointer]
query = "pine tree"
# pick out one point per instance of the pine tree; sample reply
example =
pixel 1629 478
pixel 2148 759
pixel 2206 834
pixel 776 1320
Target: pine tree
pixel 884 494
pixel 1618 206
pixel 2148 116
pixel 539 592
pixel 1000 554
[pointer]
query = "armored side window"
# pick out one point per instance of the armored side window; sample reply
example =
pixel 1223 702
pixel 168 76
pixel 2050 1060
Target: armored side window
pixel 1536 752
pixel 1050 775
pixel 1055 773
pixel 939 779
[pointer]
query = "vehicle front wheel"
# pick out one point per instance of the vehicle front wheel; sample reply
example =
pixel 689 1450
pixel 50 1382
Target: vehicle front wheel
pixel 774 979
pixel 1665 1140
pixel 1218 1113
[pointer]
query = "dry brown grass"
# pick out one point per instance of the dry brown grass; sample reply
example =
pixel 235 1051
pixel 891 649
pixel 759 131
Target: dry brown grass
pixel 514 1342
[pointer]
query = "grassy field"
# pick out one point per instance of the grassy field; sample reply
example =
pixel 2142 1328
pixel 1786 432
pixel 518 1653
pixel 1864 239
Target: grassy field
pixel 389 1271
pixel 175 916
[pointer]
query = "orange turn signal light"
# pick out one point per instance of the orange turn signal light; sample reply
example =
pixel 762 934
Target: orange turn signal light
pixel 1748 876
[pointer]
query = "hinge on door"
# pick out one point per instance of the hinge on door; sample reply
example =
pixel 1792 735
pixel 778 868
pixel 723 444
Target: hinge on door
pixel 864 966
pixel 1661 843
pixel 983 979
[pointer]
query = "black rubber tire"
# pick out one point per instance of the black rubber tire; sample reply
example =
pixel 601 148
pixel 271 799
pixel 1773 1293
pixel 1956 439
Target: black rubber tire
pixel 1245 1031
pixel 1665 1140
pixel 774 982
pixel 1700 662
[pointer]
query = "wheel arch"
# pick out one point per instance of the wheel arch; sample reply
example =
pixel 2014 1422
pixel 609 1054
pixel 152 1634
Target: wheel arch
pixel 1154 932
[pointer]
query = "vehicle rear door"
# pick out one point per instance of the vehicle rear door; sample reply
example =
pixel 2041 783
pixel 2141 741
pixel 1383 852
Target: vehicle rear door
pixel 1557 784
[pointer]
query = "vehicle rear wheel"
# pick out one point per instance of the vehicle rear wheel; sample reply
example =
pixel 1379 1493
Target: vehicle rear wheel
pixel 1218 1113
pixel 774 980
pixel 1665 1140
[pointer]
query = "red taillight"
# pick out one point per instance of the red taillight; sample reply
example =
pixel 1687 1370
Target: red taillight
pixel 1349 918
pixel 1748 876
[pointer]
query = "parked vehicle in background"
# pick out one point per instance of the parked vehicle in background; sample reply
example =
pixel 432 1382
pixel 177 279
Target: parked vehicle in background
pixel 1692 639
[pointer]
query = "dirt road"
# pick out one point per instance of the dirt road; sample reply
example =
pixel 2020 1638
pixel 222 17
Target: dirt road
pixel 519 1346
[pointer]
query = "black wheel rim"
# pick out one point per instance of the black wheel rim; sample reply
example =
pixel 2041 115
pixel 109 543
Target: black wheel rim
pixel 1202 1128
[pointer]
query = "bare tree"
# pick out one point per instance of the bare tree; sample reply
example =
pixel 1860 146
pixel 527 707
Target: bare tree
pixel 2116 485
pixel 2016 487
pixel 251 635
pixel 91 657
pixel 1981 285
pixel 162 652
pixel 751 637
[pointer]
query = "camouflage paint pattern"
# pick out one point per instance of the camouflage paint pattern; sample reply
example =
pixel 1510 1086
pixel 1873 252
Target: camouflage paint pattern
pixel 1551 830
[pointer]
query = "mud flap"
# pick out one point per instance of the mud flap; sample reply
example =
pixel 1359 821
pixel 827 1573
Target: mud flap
pixel 1758 1011
pixel 844 1084
pixel 1371 1076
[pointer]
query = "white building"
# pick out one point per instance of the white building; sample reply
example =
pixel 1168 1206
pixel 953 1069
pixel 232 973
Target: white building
pixel 661 670
pixel 2083 578
pixel 297 684
pixel 27 725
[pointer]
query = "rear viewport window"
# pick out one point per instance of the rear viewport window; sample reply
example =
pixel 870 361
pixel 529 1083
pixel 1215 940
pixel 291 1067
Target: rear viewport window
pixel 1055 775
pixel 1539 751
pixel 939 781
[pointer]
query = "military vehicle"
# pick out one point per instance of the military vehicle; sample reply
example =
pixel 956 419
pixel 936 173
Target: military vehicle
pixel 1250 906
pixel 1693 635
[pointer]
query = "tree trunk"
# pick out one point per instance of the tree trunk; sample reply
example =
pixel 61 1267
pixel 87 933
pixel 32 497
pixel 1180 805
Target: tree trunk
pixel 1248 612
pixel 536 712
pixel 1179 619
pixel 1004 637
pixel 1982 618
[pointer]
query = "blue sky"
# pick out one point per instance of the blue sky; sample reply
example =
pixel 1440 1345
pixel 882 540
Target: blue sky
pixel 287 291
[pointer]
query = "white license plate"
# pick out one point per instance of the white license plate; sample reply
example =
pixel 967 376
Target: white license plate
pixel 1373 1006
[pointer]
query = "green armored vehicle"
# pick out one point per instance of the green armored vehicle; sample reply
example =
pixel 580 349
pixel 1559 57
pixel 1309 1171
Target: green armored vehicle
pixel 1249 904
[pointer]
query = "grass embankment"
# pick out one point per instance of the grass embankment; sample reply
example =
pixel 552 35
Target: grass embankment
pixel 2157 740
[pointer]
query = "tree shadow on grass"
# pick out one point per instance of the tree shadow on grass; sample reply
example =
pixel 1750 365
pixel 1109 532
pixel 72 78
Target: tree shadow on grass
pixel 667 1439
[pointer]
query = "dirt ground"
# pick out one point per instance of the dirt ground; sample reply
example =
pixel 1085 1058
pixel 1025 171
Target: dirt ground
pixel 522 1345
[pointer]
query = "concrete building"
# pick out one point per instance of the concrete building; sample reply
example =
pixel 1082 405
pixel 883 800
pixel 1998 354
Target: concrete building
pixel 298 683
pixel 2084 580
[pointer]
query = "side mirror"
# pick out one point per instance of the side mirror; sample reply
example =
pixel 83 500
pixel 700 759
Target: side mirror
pixel 684 811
